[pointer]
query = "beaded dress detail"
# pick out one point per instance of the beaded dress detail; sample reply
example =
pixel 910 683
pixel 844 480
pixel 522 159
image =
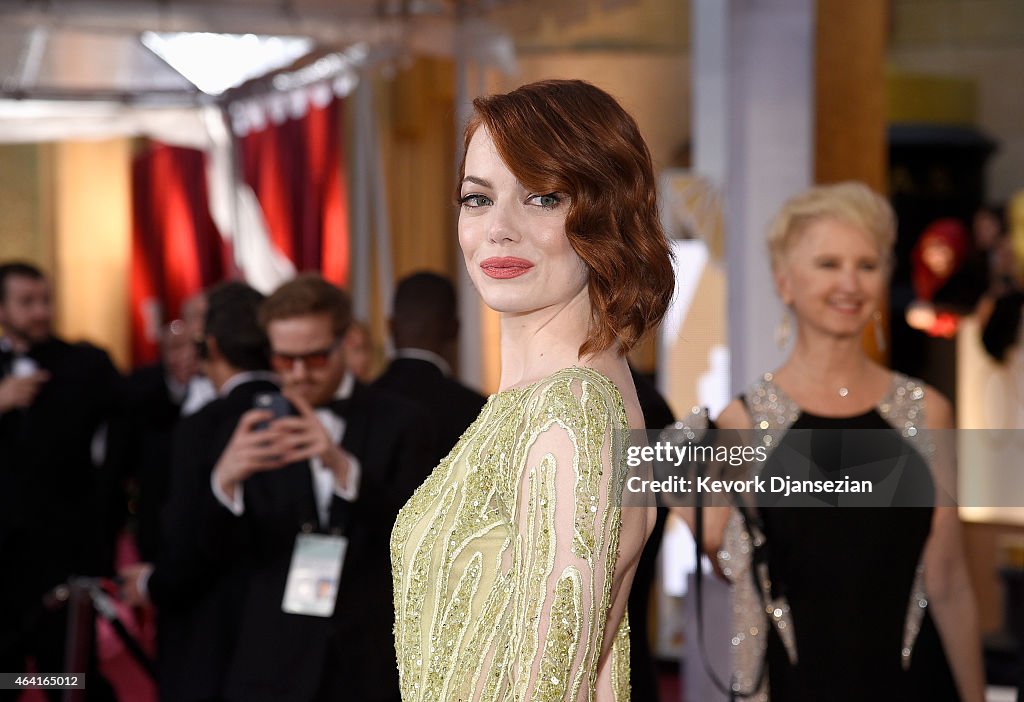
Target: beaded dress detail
pixel 835 567
pixel 504 559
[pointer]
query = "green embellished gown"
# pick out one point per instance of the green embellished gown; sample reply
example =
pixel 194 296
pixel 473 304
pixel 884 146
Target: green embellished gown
pixel 504 559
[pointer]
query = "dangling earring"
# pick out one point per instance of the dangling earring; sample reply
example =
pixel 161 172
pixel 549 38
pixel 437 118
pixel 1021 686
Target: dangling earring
pixel 879 332
pixel 783 330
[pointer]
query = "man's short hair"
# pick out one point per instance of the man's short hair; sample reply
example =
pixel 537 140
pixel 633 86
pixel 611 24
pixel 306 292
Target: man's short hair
pixel 308 294
pixel 17 269
pixel 423 299
pixel 232 320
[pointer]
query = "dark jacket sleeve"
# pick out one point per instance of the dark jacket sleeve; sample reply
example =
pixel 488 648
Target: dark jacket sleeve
pixel 109 495
pixel 1003 328
pixel 185 567
pixel 397 458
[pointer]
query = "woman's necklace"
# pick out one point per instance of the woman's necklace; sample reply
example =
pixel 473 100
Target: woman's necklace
pixel 843 390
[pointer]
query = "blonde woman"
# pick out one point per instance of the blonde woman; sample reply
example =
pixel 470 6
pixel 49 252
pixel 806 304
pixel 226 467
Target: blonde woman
pixel 863 603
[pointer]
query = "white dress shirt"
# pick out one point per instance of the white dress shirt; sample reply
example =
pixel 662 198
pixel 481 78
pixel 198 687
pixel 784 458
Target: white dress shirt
pixel 424 355
pixel 199 393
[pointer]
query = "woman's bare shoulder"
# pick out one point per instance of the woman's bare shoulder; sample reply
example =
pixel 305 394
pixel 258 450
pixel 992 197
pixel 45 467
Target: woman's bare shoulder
pixel 937 409
pixel 734 416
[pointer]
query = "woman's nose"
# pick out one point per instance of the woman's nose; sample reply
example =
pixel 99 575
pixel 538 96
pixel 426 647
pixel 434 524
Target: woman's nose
pixel 503 225
pixel 850 279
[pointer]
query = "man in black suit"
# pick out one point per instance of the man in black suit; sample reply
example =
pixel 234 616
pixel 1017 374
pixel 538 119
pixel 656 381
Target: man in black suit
pixel 154 395
pixel 642 665
pixel 366 455
pixel 195 589
pixel 54 399
pixel 424 327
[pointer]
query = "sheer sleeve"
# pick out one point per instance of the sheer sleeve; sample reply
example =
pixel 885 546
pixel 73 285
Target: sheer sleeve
pixel 567 518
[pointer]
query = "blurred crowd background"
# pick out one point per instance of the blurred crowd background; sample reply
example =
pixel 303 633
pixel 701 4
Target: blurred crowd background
pixel 152 150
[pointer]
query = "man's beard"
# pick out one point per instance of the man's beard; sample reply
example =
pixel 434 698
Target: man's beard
pixel 31 334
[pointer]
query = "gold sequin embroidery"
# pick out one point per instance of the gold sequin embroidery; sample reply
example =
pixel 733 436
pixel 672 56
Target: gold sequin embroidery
pixel 502 589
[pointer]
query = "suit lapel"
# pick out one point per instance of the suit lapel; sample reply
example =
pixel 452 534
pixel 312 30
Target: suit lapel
pixel 302 483
pixel 354 411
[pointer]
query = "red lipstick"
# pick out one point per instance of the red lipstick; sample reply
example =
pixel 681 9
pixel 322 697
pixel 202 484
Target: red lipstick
pixel 503 267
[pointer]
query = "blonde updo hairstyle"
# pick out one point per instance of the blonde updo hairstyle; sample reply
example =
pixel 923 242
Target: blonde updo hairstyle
pixel 850 202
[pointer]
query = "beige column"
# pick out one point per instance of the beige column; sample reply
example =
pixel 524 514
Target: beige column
pixel 26 230
pixel 92 243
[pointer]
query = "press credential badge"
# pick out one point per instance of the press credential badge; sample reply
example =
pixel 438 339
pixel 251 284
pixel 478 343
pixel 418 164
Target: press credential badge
pixel 312 585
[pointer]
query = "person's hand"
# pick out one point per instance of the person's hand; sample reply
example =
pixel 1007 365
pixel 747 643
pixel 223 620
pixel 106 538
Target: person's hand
pixel 19 393
pixel 132 575
pixel 920 315
pixel 252 448
pixel 307 438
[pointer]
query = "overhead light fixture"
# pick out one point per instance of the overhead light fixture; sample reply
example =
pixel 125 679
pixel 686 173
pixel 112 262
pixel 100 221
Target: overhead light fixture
pixel 217 62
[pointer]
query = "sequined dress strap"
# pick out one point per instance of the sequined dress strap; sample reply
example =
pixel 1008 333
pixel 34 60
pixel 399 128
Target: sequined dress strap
pixel 771 411
pixel 903 408
pixel 771 414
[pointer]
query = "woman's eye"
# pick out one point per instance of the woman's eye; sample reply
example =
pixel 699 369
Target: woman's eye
pixel 868 266
pixel 548 201
pixel 828 263
pixel 475 200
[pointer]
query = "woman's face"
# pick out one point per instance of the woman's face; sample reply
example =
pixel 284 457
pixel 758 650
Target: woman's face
pixel 513 239
pixel 939 258
pixel 832 277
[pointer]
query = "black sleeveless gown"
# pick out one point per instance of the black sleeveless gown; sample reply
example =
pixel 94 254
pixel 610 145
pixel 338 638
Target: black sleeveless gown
pixel 848 572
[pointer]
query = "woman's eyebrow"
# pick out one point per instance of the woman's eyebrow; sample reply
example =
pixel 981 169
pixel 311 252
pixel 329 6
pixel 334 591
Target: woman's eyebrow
pixel 477 181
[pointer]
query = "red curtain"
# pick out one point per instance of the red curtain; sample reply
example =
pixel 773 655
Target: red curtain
pixel 295 168
pixel 176 248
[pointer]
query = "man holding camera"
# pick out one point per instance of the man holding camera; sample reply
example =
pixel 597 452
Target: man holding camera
pixel 255 480
pixel 330 478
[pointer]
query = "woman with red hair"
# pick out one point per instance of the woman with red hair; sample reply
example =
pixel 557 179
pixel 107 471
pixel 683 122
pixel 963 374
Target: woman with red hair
pixel 938 254
pixel 512 563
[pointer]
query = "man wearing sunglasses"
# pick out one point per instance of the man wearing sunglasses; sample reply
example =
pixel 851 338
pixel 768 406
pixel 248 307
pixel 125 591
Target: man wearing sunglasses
pixel 366 457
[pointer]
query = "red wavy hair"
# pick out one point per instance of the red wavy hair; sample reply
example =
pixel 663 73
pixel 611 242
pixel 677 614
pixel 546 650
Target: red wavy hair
pixel 571 137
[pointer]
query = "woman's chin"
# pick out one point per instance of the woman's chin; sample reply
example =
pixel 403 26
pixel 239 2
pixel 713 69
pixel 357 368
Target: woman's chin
pixel 840 329
pixel 847 332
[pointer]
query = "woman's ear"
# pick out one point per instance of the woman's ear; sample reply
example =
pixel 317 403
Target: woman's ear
pixel 782 284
